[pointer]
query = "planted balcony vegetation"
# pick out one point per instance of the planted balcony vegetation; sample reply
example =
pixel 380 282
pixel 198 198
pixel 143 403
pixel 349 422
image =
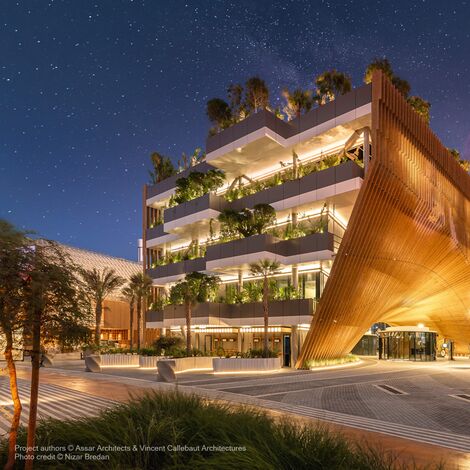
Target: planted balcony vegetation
pixel 156 222
pixel 195 185
pixel 236 225
pixel 166 420
pixel 192 252
pixel 253 292
pixel 284 175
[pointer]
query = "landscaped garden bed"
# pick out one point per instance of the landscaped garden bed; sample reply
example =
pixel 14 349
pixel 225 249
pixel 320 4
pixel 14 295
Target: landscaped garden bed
pixel 146 433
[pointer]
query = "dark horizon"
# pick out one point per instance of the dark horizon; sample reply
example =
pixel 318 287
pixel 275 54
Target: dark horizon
pixel 90 90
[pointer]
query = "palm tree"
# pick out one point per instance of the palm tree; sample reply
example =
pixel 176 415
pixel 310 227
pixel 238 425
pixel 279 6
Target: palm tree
pixel 140 283
pixel 256 94
pixel 129 294
pixel 219 113
pixel 265 268
pixel 332 83
pixel 297 101
pixel 98 285
pixel 162 168
pixel 194 288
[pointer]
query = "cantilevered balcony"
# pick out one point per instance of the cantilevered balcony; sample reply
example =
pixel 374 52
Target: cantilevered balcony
pixel 316 186
pixel 281 312
pixel 172 272
pixel 166 188
pixel 157 236
pixel 200 209
pixel 314 247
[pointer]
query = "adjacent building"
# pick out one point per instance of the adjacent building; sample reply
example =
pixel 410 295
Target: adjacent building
pixel 116 313
pixel 371 226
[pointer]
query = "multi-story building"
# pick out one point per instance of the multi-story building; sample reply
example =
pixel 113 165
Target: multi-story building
pixel 310 171
pixel 313 170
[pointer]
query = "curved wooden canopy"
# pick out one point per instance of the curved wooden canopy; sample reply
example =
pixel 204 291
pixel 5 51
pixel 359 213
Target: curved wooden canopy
pixel 404 258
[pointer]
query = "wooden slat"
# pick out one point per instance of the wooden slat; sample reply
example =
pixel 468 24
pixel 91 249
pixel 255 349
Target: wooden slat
pixel 404 258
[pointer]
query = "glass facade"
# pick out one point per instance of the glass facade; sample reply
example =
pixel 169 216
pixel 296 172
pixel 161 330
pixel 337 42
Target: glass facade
pixel 367 346
pixel 408 345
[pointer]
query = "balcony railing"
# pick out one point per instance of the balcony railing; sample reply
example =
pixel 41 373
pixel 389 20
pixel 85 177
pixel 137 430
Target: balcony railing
pixel 225 312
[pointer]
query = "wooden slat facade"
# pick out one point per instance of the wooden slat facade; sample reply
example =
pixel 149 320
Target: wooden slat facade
pixel 404 258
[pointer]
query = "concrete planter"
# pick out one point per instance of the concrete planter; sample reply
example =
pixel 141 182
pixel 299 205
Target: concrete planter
pixel 246 365
pixel 148 362
pixel 119 360
pixel 187 363
pixel 92 363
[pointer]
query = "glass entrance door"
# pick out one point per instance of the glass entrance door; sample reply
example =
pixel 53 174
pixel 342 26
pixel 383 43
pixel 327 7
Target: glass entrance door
pixel 286 351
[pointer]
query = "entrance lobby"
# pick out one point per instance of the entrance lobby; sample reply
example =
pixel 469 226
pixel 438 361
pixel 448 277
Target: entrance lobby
pixel 407 343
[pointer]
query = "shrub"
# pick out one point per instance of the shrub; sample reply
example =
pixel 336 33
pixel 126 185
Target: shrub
pixel 258 353
pixel 311 364
pixel 165 343
pixel 148 352
pixel 171 419
pixel 177 352
pixel 196 184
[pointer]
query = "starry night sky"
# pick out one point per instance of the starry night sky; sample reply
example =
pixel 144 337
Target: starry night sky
pixel 89 89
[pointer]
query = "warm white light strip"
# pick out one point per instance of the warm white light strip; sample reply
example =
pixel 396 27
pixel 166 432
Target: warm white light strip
pixel 212 330
pixel 306 158
pixel 271 329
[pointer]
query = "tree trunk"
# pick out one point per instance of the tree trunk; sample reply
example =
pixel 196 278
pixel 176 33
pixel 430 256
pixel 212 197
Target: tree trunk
pixel 139 320
pixel 266 315
pixel 188 328
pixel 15 422
pixel 98 316
pixel 131 326
pixel 33 401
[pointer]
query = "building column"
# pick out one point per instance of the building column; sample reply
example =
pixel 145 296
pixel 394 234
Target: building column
pixel 294 345
pixel 240 281
pixel 294 219
pixel 239 341
pixel 295 277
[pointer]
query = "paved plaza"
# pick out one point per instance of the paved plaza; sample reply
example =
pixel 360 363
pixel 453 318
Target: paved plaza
pixel 424 403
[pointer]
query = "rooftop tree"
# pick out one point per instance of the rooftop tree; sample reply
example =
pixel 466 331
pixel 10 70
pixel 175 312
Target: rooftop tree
pixel 219 113
pixel 265 268
pixel 297 102
pixel 193 289
pixel 162 168
pixel 332 83
pixel 256 94
pixel 237 105
pixel 465 164
pixel 422 107
pixel 384 65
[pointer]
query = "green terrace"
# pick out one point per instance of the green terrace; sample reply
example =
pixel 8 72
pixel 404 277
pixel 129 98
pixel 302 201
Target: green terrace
pixel 246 223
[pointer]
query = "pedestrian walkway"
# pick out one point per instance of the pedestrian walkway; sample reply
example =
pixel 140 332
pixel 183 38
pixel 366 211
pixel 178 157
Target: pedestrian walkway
pixel 54 402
